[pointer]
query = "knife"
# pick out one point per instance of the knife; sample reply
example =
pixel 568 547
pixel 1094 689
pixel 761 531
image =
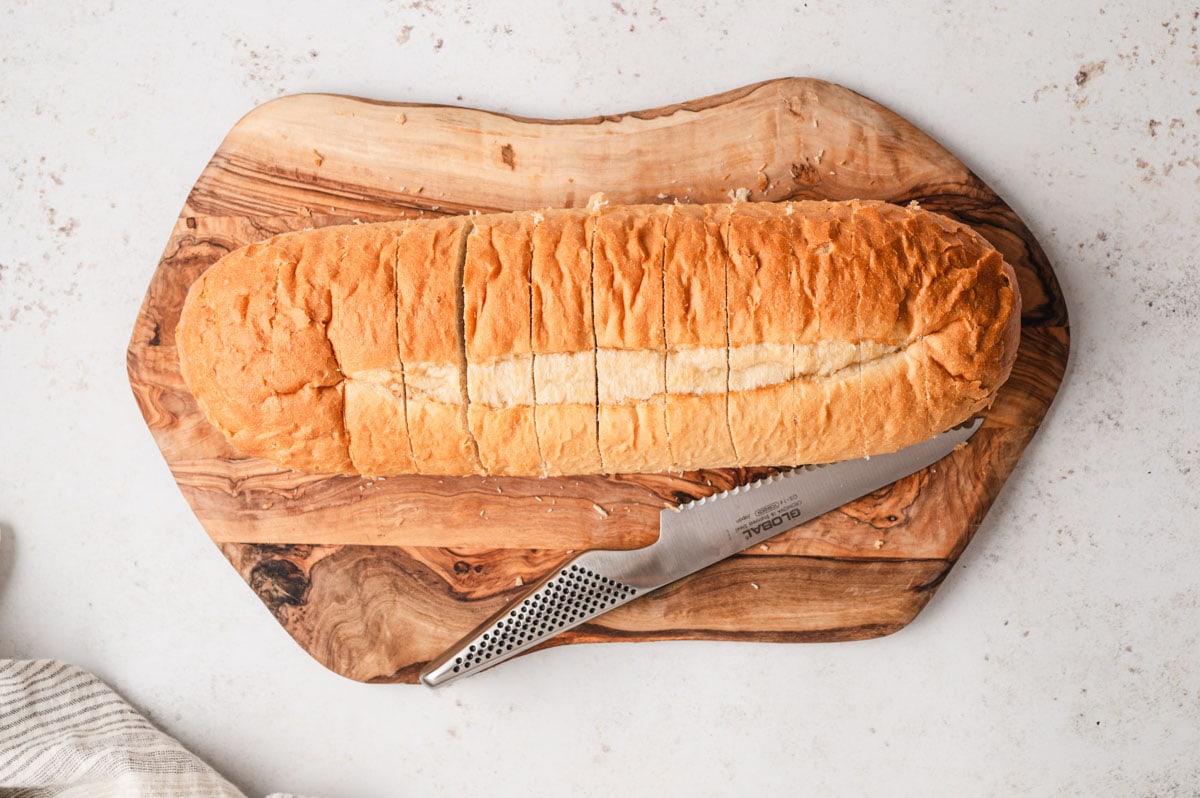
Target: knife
pixel 691 537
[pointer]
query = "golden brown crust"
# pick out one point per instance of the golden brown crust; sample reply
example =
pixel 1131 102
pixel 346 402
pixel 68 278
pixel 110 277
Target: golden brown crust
pixel 428 289
pixel 561 300
pixel 847 328
pixel 496 282
pixel 377 427
pixel 362 325
pixel 224 336
pixel 634 434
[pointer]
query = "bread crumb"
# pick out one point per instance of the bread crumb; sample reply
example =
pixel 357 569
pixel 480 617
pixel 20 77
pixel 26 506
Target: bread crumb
pixel 879 543
pixel 661 195
pixel 499 490
pixel 318 158
pixel 599 509
pixel 520 581
pixel 537 498
pixel 419 189
pixel 268 505
pixel 739 195
pixel 483 514
pixel 570 551
pixel 754 585
pixel 765 547
pixel 401 119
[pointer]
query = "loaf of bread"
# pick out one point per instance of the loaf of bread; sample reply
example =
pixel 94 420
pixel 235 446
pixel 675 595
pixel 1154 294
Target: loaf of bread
pixel 612 339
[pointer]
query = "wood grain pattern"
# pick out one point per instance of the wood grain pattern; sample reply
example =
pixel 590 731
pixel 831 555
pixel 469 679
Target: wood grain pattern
pixel 375 577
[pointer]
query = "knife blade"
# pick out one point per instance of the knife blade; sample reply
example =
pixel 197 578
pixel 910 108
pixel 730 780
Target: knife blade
pixel 691 537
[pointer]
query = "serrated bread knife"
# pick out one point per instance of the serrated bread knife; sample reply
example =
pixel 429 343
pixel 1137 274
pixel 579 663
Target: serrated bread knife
pixel 691 537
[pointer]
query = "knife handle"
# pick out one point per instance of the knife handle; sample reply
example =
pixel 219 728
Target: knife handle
pixel 588 585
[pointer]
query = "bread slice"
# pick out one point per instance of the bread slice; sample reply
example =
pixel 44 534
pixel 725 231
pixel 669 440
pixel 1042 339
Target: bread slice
pixel 563 341
pixel 362 331
pixel 497 295
pixel 429 272
pixel 761 307
pixel 696 337
pixel 627 295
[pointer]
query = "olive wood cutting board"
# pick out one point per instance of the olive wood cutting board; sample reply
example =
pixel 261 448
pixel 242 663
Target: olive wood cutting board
pixel 375 577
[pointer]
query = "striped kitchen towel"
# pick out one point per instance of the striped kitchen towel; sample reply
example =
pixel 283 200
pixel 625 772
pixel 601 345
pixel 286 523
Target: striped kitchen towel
pixel 65 733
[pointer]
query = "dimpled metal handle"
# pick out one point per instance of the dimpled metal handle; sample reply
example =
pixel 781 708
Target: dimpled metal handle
pixel 588 585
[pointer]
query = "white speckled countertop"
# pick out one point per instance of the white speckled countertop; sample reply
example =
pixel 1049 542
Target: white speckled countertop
pixel 1061 656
